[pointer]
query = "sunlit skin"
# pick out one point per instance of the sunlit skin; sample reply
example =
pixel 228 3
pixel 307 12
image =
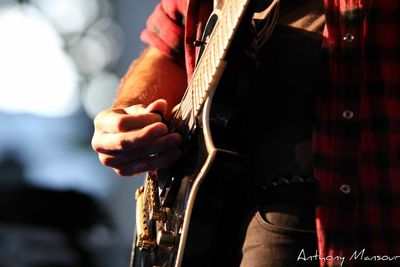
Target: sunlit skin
pixel 130 137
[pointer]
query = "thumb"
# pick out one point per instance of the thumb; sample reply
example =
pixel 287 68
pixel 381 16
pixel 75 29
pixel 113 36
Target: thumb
pixel 159 106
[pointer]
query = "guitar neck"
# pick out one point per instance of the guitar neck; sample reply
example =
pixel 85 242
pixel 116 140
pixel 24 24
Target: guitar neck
pixel 211 64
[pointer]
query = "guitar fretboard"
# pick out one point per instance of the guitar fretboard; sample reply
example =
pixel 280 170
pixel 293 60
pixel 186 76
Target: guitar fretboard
pixel 209 68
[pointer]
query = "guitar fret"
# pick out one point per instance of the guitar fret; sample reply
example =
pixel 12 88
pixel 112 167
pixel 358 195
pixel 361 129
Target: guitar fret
pixel 239 7
pixel 186 108
pixel 223 37
pixel 190 99
pixel 204 87
pixel 219 41
pixel 228 19
pixel 198 93
pixel 233 5
pixel 208 65
pixel 204 71
pixel 195 92
pixel 217 54
pixel 204 82
pixel 192 95
pixel 212 56
pixel 205 67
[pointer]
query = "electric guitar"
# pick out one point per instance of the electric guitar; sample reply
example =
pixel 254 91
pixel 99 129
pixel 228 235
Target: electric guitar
pixel 181 213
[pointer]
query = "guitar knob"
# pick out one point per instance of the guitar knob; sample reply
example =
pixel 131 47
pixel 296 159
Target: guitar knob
pixel 165 239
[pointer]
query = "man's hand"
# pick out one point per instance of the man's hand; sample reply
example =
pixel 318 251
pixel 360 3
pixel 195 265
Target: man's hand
pixel 132 140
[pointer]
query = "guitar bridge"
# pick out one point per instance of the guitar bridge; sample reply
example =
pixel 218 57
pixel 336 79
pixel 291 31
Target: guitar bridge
pixel 149 213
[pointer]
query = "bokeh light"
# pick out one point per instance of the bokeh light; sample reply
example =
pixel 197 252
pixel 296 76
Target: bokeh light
pixel 37 75
pixel 69 16
pixel 97 95
pixel 99 48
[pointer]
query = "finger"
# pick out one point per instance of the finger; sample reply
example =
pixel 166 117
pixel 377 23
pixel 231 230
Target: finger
pixel 118 120
pixel 119 142
pixel 160 145
pixel 160 161
pixel 138 121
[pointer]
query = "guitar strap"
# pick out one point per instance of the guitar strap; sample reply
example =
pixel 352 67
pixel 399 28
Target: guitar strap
pixel 262 25
pixel 264 19
pixel 307 16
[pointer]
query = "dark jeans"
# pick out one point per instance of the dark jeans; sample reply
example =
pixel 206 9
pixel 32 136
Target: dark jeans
pixel 280 228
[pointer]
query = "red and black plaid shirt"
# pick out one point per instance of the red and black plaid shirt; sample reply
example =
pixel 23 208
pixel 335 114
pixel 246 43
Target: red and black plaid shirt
pixel 357 131
pixel 356 137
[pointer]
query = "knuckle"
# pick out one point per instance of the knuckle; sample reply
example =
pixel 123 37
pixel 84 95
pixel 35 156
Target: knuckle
pixel 97 121
pixel 95 144
pixel 124 144
pixel 134 109
pixel 109 162
pixel 120 123
pixel 120 142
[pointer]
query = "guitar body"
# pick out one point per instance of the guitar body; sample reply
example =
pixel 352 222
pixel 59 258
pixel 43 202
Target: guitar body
pixel 200 212
pixel 188 216
pixel 211 198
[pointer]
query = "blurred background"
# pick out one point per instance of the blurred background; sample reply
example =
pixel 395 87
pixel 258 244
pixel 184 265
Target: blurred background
pixel 60 64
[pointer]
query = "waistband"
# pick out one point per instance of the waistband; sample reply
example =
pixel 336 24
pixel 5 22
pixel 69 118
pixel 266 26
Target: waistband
pixel 286 187
pixel 273 182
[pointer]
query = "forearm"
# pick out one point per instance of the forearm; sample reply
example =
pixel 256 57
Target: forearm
pixel 152 76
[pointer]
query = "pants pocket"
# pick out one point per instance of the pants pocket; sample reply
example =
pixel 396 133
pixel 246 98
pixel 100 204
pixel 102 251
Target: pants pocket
pixel 276 237
pixel 287 219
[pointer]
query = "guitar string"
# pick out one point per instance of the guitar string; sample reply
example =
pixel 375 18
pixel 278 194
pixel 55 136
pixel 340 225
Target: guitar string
pixel 225 29
pixel 194 89
pixel 191 105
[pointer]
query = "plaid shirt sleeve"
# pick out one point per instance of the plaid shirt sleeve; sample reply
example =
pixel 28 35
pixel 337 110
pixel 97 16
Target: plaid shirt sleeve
pixel 357 135
pixel 165 28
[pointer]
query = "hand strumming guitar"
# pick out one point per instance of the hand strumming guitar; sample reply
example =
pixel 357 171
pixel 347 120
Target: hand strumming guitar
pixel 130 137
pixel 133 140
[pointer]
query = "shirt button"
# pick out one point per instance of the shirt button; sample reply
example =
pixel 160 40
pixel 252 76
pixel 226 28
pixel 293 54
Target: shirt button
pixel 348 114
pixel 348 38
pixel 345 188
